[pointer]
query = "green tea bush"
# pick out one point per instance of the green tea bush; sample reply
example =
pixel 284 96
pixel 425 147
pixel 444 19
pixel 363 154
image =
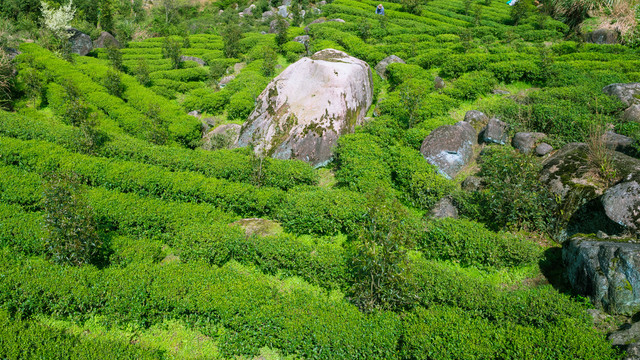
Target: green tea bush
pixel 241 104
pixel 360 163
pixel 397 73
pixel 510 71
pixel 472 244
pixel 456 65
pixel 472 85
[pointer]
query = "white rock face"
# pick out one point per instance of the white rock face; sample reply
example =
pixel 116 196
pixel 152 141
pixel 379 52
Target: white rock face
pixel 304 110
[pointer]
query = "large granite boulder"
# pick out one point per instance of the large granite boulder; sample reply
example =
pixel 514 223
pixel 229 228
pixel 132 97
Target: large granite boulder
pixel 222 137
pixel 602 37
pixel 282 11
pixel 381 68
pixel 617 142
pixel 444 208
pixel 526 141
pixel 627 339
pixel 450 147
pixel 197 60
pixel 606 272
pixel 477 119
pixel 572 177
pixel 81 43
pixel 105 40
pixel 625 92
pixel 304 110
pixel 543 149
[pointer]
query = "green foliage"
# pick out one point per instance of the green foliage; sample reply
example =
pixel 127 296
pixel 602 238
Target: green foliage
pixel 281 31
pixel 515 198
pixel 72 234
pixel 142 72
pixel 360 163
pixel 171 49
pixel 471 244
pixel 269 62
pixel 412 6
pixel 472 85
pixel 379 261
pixel 113 83
pixel 115 57
pixel 231 36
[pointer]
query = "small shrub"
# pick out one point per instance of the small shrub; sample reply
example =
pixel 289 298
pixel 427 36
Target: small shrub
pixel 113 83
pixel 171 50
pixel 142 72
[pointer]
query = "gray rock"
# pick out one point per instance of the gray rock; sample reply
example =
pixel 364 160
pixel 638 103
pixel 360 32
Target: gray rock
pixel 500 92
pixel 267 14
pixel 322 3
pixel 632 113
pixel 617 142
pixel 476 118
pixel 286 2
pixel 438 83
pixel 12 53
pixel 606 272
pixel 381 68
pixel 226 79
pixel 526 141
pixel 622 204
pixel 337 20
pixel 543 149
pixel 308 106
pixel 450 147
pixel 222 137
pixel 495 132
pixel 195 113
pixel 273 25
pixel 444 208
pixel 194 59
pixel 282 11
pixel 316 21
pixel 624 92
pixel 472 183
pixel 249 11
pixel 627 339
pixel 81 43
pixel 304 40
pixel 602 37
pixel 105 40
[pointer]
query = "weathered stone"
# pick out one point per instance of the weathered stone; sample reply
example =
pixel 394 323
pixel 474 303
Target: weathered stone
pixel 249 11
pixel 337 20
pixel 105 40
pixel 606 272
pixel 526 141
pixel 267 14
pixel 617 142
pixel 222 137
pixel 603 37
pixel 476 118
pixel 450 147
pixel 444 208
pixel 438 83
pixel 282 11
pixel 472 183
pixel 226 79
pixel 495 132
pixel 632 113
pixel 194 59
pixel 81 43
pixel 622 204
pixel 195 113
pixel 570 175
pixel 624 92
pixel 627 339
pixel 500 92
pixel 12 53
pixel 381 68
pixel 304 110
pixel 258 227
pixel 543 149
pixel 304 40
pixel 273 25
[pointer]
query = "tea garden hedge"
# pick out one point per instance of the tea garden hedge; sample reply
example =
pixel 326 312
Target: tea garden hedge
pixel 171 277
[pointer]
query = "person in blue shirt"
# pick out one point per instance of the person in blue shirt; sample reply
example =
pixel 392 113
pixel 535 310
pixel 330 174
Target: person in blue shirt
pixel 380 10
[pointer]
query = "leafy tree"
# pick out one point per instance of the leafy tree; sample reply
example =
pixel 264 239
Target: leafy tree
pixel 521 10
pixel 113 83
pixel 142 72
pixel 296 13
pixel 231 36
pixel 115 56
pixel 7 79
pixel 269 62
pixel 216 70
pixel 171 50
pixel 412 97
pixel 379 262
pixel 72 236
pixel 364 29
pixel 106 15
pixel 159 133
pixel 76 109
pixel 411 6
pixel 281 31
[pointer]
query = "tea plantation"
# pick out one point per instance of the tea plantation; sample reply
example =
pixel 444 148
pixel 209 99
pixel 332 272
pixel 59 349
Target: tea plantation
pixel 130 230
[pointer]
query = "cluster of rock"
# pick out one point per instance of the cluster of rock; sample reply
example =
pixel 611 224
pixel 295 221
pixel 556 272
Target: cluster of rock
pixel 82 45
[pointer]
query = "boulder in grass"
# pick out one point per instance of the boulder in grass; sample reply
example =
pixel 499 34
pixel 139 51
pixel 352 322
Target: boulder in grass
pixel 495 132
pixel 106 40
pixel 543 149
pixel 602 37
pixel 282 11
pixel 608 272
pixel 622 204
pixel 258 227
pixel 476 118
pixel 450 148
pixel 337 20
pixel 625 92
pixel 526 141
pixel 194 59
pixel 307 107
pixel 81 43
pixel 444 208
pixel 632 113
pixel 438 83
pixel 381 68
pixel 617 142
pixel 222 137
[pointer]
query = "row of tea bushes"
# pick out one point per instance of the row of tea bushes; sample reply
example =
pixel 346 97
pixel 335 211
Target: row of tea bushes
pixel 233 165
